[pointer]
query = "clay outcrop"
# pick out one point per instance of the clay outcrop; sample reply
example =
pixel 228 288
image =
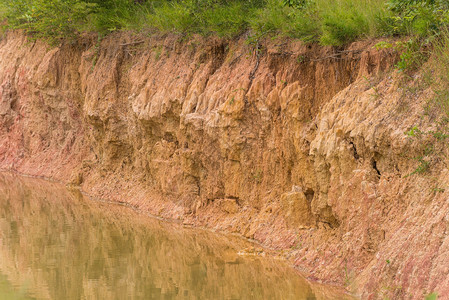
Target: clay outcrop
pixel 301 148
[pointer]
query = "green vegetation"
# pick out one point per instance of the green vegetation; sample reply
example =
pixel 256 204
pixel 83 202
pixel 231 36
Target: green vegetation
pixel 439 72
pixel 432 145
pixel 328 22
pixel 434 52
pixel 433 296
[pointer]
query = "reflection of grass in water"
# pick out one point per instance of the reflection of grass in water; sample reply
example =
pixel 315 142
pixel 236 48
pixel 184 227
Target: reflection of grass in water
pixel 8 292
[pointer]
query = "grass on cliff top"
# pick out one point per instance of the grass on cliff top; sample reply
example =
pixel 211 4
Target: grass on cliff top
pixel 335 22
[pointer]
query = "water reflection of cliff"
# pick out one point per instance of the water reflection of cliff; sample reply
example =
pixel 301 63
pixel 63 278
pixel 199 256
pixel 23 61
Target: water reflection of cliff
pixel 64 246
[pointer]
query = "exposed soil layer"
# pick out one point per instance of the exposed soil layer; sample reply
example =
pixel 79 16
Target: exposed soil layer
pixel 301 148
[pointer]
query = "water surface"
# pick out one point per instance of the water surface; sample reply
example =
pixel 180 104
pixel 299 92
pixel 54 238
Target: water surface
pixel 57 244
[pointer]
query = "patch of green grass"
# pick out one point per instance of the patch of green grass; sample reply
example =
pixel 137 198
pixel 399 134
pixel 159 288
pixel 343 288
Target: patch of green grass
pixel 275 18
pixel 334 23
pixel 432 296
pixel 171 17
pixel 223 18
pixel 346 20
pixel 328 22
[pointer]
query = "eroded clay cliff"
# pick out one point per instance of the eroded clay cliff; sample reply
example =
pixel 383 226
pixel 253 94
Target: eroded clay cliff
pixel 301 148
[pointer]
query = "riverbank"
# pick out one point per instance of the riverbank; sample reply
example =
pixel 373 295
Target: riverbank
pixel 299 147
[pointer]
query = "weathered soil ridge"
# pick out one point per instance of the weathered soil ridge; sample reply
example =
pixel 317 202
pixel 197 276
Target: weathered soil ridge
pixel 301 148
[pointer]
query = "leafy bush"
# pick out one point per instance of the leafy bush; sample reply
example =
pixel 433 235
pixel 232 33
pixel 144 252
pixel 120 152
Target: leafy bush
pixel 422 21
pixel 49 19
pixel 416 17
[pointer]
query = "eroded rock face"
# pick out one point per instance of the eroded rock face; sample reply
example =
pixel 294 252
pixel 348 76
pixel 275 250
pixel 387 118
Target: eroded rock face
pixel 298 147
pixel 295 208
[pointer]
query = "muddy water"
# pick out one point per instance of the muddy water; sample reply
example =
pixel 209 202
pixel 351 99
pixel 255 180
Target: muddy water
pixel 57 244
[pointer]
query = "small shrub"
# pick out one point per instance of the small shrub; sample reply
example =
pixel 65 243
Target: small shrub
pixel 413 54
pixel 432 296
pixel 416 17
pixel 50 20
pixel 414 131
pixel 432 146
pixel 422 21
pixel 423 166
